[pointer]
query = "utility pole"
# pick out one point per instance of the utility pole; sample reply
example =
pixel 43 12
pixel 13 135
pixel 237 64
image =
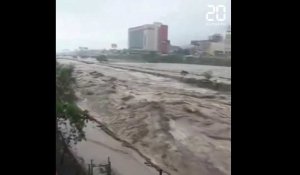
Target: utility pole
pixel 108 167
pixel 90 168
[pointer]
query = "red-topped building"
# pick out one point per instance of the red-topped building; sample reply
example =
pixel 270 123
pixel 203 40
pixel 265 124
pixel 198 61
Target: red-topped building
pixel 149 37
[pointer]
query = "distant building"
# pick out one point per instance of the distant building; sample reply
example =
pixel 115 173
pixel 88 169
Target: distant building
pixel 214 46
pixel 228 42
pixel 200 47
pixel 83 48
pixel 149 37
pixel 114 46
pixel 216 38
pixel 206 47
pixel 216 49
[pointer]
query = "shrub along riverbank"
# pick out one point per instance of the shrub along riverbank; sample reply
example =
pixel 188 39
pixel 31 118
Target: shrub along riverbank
pixel 67 113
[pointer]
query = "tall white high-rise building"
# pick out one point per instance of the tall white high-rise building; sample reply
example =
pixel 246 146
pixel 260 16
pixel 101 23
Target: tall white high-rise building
pixel 149 37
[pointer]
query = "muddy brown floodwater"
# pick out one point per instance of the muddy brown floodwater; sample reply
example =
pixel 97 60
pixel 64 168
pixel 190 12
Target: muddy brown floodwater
pixel 181 128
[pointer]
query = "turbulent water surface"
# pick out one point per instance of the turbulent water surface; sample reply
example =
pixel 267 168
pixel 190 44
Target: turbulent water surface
pixel 182 128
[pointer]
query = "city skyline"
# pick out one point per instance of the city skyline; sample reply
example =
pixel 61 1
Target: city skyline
pixel 97 24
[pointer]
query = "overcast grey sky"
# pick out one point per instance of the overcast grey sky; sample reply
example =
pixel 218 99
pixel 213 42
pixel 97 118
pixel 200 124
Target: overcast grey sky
pixel 98 23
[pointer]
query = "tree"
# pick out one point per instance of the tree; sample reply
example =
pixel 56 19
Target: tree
pixel 152 54
pixel 70 119
pixel 101 58
pixel 183 52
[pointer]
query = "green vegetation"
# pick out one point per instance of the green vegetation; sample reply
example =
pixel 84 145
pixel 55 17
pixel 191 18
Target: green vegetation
pixel 182 58
pixel 67 112
pixel 70 121
pixel 153 57
pixel 101 58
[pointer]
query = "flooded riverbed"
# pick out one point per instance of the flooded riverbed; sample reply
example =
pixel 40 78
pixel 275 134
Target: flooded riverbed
pixel 218 71
pixel 182 128
pixel 99 146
